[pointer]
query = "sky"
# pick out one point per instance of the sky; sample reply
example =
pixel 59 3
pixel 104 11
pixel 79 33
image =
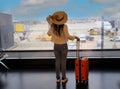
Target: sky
pixel 40 9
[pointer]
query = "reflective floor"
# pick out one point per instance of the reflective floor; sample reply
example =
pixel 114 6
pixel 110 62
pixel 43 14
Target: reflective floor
pixel 47 80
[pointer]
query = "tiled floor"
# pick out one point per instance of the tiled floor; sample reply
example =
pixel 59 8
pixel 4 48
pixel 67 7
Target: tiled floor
pixel 47 80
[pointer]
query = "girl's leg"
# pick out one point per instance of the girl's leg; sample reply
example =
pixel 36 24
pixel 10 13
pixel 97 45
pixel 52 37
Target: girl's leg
pixel 57 61
pixel 63 60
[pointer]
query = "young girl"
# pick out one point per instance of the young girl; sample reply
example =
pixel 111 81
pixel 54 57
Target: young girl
pixel 59 35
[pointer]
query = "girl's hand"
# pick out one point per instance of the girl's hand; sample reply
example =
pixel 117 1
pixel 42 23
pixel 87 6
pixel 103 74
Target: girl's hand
pixel 49 20
pixel 77 38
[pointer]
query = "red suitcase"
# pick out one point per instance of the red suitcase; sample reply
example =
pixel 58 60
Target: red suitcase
pixel 81 68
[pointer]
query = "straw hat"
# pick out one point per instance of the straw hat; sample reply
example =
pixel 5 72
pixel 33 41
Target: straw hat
pixel 59 17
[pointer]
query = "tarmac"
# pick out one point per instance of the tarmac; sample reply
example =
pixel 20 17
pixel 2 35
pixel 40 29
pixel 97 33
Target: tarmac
pixel 40 30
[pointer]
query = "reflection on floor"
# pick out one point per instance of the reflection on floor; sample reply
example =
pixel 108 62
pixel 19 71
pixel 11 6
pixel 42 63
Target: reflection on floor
pixel 47 80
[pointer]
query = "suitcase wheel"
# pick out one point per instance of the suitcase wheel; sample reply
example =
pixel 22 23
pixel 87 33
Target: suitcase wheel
pixel 81 83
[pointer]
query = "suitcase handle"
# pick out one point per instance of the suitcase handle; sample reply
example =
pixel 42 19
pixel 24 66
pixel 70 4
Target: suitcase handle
pixel 77 49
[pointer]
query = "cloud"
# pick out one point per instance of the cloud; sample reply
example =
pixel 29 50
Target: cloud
pixel 105 1
pixel 29 8
pixel 32 2
pixel 112 9
pixel 34 7
pixel 109 7
pixel 42 2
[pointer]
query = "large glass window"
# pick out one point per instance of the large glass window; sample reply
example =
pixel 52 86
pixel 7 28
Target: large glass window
pixel 23 26
pixel 94 34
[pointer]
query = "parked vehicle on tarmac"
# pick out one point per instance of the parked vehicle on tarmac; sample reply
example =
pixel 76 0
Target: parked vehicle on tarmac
pixel 115 39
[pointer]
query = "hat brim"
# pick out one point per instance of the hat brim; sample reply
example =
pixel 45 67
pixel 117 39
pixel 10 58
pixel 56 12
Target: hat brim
pixel 64 19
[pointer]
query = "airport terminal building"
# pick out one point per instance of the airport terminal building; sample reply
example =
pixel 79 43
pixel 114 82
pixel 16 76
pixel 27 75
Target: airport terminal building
pixel 26 48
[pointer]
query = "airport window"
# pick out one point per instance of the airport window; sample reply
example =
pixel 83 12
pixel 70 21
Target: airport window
pixel 24 28
pixel 94 34
pixel 30 39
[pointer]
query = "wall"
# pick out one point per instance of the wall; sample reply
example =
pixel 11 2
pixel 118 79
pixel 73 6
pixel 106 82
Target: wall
pixel 6 31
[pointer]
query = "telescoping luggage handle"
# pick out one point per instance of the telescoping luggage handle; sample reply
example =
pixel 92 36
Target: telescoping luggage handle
pixel 77 49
